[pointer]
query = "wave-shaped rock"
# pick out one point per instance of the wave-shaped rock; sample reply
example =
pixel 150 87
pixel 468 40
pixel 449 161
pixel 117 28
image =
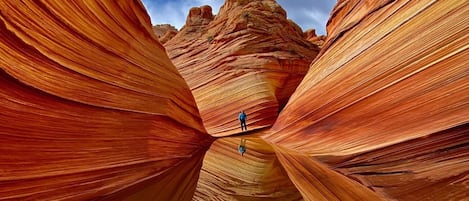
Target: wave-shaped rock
pixel 249 57
pixel 384 83
pixel 257 175
pixel 93 109
pixel 91 104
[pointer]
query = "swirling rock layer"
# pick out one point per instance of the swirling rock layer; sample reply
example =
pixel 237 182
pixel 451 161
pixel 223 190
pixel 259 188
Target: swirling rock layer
pixel 258 175
pixel 382 92
pixel 316 181
pixel 91 105
pixel 249 57
pixel 93 109
pixel 429 168
pixel 386 101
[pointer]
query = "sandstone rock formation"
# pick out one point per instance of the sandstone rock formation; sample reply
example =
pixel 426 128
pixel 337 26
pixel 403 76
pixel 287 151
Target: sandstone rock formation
pixel 310 35
pixel 164 32
pixel 97 111
pixel 249 57
pixel 388 111
pixel 91 107
pixel 256 176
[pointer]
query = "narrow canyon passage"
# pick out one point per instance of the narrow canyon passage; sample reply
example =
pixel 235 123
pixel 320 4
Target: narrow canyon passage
pixel 95 106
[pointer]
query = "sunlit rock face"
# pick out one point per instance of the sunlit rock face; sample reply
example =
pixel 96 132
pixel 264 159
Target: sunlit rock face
pixel 164 32
pixel 258 175
pixel 91 106
pixel 317 181
pixel 248 57
pixel 433 167
pixel 386 101
pixel 310 35
pixel 93 109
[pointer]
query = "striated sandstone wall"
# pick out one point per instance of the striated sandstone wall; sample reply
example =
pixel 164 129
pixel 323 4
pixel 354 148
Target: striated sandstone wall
pixel 248 57
pixel 387 101
pixel 93 109
pixel 164 32
pixel 91 105
pixel 258 175
pixel 310 35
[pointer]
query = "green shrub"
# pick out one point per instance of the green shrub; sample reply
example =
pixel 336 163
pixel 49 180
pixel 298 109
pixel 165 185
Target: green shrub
pixel 246 15
pixel 209 38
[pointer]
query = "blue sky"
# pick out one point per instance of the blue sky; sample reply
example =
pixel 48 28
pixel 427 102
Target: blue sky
pixel 306 13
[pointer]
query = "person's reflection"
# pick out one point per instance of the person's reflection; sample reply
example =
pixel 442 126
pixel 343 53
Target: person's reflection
pixel 242 147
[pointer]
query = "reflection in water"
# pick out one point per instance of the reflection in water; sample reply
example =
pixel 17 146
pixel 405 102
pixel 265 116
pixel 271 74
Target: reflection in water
pixel 258 175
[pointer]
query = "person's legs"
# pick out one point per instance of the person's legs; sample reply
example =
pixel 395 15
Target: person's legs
pixel 243 125
pixel 241 122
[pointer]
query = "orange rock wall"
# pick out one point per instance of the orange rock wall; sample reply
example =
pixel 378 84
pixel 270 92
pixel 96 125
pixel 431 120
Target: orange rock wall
pixel 310 35
pixel 316 181
pixel 164 32
pixel 374 89
pixel 93 109
pixel 91 104
pixel 258 175
pixel 248 57
pixel 386 101
pixel 434 167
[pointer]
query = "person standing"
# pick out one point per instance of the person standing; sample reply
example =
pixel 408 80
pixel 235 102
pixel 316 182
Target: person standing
pixel 242 119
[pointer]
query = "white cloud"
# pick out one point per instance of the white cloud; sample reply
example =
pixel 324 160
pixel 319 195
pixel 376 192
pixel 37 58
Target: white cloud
pixel 309 13
pixel 316 16
pixel 215 4
pixel 175 12
pixel 306 13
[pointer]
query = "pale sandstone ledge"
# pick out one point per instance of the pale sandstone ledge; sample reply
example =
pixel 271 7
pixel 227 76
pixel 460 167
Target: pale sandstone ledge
pixel 248 57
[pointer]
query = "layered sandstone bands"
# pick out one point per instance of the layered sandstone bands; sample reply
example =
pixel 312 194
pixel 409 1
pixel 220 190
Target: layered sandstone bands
pixel 97 111
pixel 91 106
pixel 248 57
pixel 310 35
pixel 433 167
pixel 258 175
pixel 383 110
pixel 164 32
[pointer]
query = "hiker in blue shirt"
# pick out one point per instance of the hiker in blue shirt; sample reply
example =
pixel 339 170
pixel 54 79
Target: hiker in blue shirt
pixel 242 119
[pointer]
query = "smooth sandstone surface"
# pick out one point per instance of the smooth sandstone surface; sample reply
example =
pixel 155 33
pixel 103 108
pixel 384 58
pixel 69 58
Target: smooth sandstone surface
pixel 258 175
pixel 92 107
pixel 430 168
pixel 381 92
pixel 248 57
pixel 316 181
pixel 387 102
